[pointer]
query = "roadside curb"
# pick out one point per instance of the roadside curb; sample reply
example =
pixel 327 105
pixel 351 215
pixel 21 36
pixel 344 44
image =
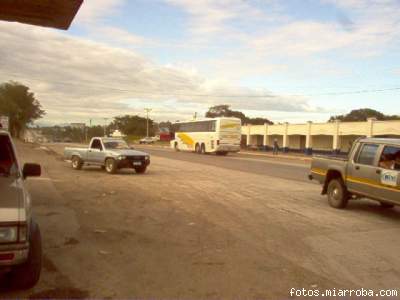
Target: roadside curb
pixel 277 156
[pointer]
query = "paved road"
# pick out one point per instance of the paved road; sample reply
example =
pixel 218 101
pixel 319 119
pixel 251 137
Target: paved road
pixel 278 167
pixel 202 227
pixel 255 164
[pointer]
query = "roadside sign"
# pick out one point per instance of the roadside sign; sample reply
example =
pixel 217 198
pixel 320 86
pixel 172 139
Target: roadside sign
pixel 4 122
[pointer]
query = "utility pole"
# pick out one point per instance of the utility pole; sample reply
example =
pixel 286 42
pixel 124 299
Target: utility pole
pixel 87 129
pixel 147 110
pixel 105 124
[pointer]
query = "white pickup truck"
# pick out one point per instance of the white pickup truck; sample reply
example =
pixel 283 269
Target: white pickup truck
pixel 20 241
pixel 109 153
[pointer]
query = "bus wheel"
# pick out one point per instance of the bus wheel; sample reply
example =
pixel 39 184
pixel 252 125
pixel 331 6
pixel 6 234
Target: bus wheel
pixel 176 147
pixel 197 149
pixel 203 149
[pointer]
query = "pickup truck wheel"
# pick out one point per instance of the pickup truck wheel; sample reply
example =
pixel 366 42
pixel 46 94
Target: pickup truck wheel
pixel 197 149
pixel 111 166
pixel 76 163
pixel 140 170
pixel 386 205
pixel 338 196
pixel 27 275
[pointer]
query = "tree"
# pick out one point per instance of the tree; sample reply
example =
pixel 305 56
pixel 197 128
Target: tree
pixel 363 114
pixel 165 125
pixel 132 125
pixel 20 105
pixel 58 133
pixel 225 111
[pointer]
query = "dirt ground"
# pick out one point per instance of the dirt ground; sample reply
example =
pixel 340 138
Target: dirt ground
pixel 192 230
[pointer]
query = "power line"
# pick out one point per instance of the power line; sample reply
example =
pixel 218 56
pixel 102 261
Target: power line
pixel 264 95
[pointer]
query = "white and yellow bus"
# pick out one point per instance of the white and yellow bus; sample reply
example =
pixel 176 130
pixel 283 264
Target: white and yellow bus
pixel 219 135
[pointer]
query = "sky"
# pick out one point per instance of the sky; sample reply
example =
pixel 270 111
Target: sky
pixel 289 61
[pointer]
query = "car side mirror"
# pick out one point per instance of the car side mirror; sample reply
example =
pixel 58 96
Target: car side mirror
pixel 31 170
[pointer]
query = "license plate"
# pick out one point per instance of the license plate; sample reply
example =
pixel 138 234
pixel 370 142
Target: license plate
pixel 137 163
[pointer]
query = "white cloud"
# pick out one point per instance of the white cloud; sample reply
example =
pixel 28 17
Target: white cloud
pixel 211 17
pixel 95 11
pixel 76 79
pixel 274 42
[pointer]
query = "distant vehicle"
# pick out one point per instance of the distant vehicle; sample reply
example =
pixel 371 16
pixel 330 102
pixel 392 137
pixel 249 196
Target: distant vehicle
pixel 109 153
pixel 20 240
pixel 165 136
pixel 216 135
pixel 372 170
pixel 147 140
pixel 67 140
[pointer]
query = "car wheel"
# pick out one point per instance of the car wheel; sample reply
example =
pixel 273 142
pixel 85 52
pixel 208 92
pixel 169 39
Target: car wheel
pixel 140 170
pixel 76 163
pixel 338 196
pixel 386 205
pixel 27 275
pixel 111 166
pixel 203 149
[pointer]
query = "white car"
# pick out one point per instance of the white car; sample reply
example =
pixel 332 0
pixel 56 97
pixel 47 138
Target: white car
pixel 146 140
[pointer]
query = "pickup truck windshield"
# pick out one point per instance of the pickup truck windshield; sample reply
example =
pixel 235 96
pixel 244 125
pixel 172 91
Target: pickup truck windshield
pixel 8 163
pixel 115 145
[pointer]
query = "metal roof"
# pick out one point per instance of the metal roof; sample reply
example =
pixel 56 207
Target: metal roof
pixel 49 13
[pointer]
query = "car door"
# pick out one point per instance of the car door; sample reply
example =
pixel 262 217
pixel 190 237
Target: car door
pixel 362 169
pixel 388 177
pixel 96 152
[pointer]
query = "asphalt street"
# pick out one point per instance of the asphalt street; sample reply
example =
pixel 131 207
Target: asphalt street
pixel 202 227
pixel 255 164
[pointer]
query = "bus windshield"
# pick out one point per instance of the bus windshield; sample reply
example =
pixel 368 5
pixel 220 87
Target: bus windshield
pixel 230 125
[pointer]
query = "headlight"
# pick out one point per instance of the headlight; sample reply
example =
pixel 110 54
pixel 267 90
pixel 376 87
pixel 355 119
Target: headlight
pixel 8 234
pixel 23 233
pixel 121 157
pixel 147 157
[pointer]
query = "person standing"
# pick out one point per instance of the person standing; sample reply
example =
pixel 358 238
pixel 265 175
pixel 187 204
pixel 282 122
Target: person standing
pixel 276 147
